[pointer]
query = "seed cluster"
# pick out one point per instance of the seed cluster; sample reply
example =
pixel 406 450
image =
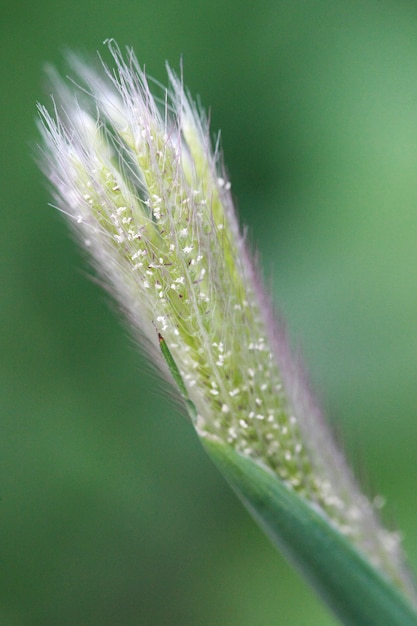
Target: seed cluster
pixel 151 203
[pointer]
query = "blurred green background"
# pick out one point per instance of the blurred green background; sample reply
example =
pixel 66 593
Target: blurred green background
pixel 110 513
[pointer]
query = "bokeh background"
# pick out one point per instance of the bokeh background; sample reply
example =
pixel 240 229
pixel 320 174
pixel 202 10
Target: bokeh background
pixel 110 513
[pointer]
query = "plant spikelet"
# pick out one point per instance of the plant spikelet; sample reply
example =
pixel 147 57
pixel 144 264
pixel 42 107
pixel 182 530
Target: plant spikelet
pixel 152 204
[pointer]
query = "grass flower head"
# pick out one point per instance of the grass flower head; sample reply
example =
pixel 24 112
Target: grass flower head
pixel 151 202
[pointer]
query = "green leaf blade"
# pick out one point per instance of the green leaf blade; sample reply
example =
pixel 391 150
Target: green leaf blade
pixel 357 593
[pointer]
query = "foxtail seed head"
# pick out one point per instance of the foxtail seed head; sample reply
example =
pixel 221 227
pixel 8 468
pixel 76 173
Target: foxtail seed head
pixel 150 201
